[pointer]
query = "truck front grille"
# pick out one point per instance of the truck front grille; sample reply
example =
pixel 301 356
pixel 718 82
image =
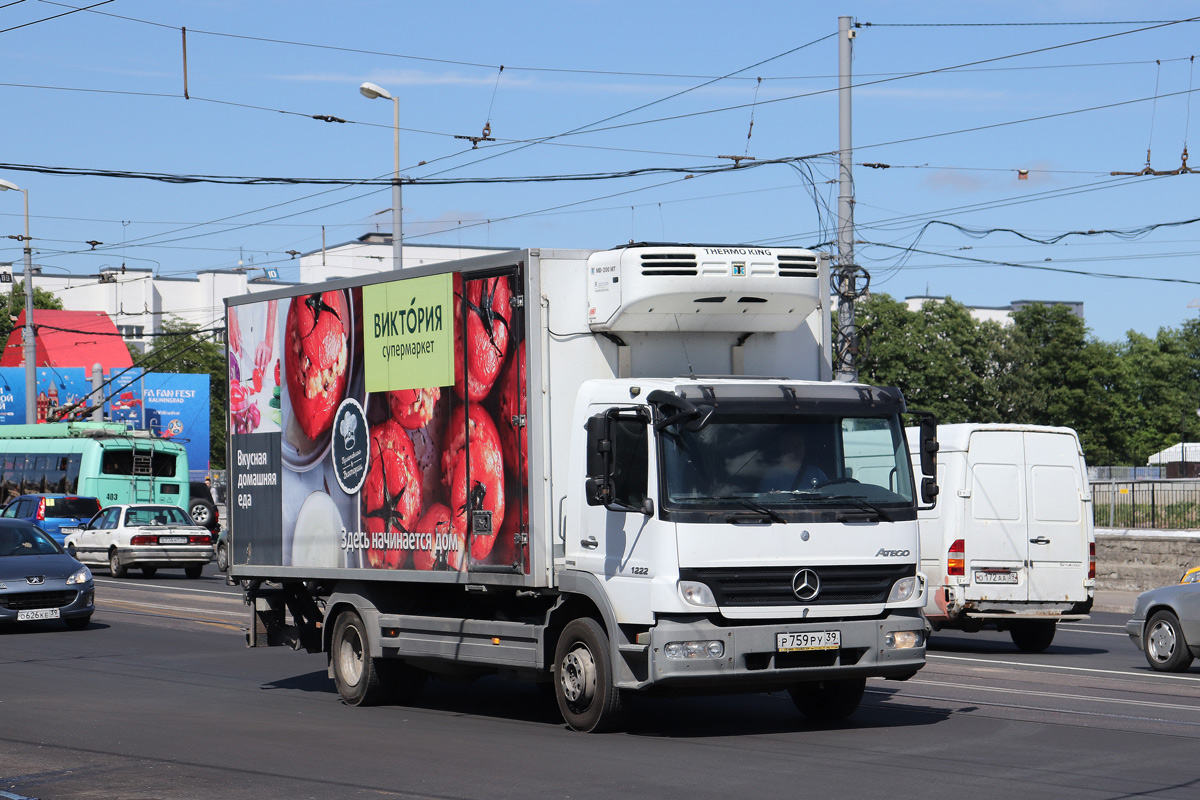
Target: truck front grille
pixel 772 586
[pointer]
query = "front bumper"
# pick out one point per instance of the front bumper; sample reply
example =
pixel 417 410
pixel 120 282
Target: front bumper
pixel 1134 628
pixel 750 660
pixel 69 600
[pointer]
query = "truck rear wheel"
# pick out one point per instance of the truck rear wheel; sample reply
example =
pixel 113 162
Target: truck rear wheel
pixel 828 701
pixel 587 697
pixel 1033 636
pixel 360 679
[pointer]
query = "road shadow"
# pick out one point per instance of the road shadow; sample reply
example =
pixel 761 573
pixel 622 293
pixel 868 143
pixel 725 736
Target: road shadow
pixel 675 717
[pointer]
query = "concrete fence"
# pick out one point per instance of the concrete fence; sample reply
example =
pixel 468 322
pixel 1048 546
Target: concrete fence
pixel 1134 560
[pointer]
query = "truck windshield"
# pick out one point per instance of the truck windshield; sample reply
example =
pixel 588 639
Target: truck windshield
pixel 787 462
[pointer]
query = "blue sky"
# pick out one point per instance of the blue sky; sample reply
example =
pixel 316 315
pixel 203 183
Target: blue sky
pixel 955 97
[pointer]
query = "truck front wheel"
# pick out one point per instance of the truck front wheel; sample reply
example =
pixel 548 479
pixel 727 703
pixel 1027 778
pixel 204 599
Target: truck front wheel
pixel 828 701
pixel 587 697
pixel 361 680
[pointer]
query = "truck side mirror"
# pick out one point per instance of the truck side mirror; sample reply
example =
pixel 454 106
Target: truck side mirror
pixel 929 446
pixel 598 486
pixel 929 491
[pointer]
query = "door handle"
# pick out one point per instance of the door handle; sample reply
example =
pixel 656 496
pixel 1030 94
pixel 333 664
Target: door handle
pixel 1040 540
pixel 589 543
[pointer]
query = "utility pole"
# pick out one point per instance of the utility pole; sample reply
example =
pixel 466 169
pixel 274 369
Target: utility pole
pixel 846 337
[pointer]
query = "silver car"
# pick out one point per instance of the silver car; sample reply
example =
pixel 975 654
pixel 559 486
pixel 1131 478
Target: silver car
pixel 1166 626
pixel 38 581
pixel 147 537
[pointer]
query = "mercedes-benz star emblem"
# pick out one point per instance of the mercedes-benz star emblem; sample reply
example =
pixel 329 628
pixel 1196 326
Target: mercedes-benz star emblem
pixel 806 585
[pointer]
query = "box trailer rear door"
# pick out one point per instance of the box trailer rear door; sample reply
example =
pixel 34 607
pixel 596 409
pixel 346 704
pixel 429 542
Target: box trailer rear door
pixel 994 533
pixel 1058 530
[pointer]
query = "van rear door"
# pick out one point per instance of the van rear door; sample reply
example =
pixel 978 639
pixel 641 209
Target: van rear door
pixel 1058 517
pixel 996 547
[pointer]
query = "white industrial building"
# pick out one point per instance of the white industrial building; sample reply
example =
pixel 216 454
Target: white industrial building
pixel 1001 314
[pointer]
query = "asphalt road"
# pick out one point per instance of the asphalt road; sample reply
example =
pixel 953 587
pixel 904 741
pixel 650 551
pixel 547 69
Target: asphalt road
pixel 160 698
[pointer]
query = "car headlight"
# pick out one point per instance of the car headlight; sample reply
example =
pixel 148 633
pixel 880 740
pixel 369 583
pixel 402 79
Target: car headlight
pixel 82 576
pixel 696 593
pixel 902 590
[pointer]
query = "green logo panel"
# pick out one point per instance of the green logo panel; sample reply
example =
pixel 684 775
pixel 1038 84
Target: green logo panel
pixel 408 333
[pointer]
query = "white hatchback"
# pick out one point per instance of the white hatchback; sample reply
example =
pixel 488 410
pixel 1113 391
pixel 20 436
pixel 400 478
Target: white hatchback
pixel 144 536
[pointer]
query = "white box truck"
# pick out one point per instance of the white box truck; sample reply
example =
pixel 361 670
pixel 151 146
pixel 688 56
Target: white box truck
pixel 1010 544
pixel 556 464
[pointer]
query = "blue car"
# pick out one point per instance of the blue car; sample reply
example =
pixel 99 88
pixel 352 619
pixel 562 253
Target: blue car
pixel 38 581
pixel 56 514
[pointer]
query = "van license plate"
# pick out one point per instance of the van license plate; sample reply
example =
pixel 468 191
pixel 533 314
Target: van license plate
pixel 37 613
pixel 995 577
pixel 809 640
pixel 68 531
pixel 172 540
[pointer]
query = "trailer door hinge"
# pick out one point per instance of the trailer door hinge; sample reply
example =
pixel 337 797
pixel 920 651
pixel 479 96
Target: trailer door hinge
pixel 517 301
pixel 518 420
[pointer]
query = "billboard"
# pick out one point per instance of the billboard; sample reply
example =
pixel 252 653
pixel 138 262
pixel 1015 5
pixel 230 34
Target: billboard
pixel 382 428
pixel 167 404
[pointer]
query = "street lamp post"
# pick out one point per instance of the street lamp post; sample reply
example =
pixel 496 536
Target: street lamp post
pixel 30 358
pixel 371 91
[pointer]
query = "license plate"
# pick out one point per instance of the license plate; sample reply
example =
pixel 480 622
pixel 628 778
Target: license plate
pixel 37 613
pixel 69 531
pixel 809 640
pixel 172 540
pixel 995 577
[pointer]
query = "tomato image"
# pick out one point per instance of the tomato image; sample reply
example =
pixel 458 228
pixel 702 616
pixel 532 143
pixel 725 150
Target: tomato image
pixel 391 496
pixel 512 404
pixel 413 408
pixel 487 316
pixel 474 432
pixel 444 548
pixel 317 354
pixel 238 397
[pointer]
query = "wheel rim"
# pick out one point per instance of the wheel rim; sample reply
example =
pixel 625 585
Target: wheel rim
pixel 350 656
pixel 1160 642
pixel 578 677
pixel 114 563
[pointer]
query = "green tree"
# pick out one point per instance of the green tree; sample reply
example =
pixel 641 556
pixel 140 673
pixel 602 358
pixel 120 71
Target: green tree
pixel 1067 378
pixel 182 348
pixel 939 356
pixel 13 303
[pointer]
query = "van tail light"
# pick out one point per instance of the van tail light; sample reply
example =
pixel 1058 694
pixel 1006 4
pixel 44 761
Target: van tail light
pixel 1092 560
pixel 41 512
pixel 956 561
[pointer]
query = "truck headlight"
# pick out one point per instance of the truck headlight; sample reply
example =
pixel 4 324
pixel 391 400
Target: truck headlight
pixel 696 593
pixel 903 640
pixel 706 649
pixel 82 576
pixel 902 590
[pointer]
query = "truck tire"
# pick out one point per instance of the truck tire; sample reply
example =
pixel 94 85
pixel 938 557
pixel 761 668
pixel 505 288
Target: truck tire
pixel 360 679
pixel 1162 639
pixel 828 701
pixel 587 698
pixel 1033 636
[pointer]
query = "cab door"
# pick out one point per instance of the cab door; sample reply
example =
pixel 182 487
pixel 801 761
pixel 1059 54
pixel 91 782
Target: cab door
pixel 613 542
pixel 91 548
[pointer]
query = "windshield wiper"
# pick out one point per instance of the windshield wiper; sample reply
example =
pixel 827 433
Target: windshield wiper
pixel 865 505
pixel 758 508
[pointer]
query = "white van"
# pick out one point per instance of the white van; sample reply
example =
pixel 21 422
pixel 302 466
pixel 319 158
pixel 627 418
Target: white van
pixel 1010 544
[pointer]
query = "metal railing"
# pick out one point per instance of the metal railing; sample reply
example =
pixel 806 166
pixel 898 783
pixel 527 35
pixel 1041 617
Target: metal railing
pixel 1151 505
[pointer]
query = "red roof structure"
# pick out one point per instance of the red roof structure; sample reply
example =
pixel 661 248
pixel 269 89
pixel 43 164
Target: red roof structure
pixel 68 339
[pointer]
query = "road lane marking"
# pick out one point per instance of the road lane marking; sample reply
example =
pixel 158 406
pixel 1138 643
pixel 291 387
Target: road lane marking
pixel 1189 678
pixel 1056 695
pixel 129 604
pixel 127 585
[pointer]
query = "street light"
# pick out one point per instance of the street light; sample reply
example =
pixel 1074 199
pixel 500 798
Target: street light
pixel 371 91
pixel 30 367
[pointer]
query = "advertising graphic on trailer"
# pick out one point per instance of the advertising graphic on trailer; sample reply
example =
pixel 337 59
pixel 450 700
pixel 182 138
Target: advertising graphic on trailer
pixel 383 425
